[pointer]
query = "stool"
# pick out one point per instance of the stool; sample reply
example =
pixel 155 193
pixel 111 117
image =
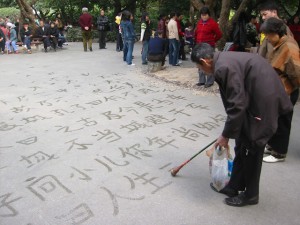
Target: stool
pixel 154 66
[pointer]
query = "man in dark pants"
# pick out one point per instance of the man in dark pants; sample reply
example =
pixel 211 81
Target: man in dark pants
pixel 43 32
pixel 253 98
pixel 86 23
pixel 102 23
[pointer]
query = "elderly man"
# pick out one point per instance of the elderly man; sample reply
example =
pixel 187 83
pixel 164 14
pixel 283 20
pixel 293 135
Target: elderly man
pixel 253 98
pixel 86 21
pixel 103 27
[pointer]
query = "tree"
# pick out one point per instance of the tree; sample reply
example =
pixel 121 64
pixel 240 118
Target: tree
pixel 26 11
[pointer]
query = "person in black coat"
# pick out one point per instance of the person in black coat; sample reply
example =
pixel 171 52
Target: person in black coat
pixel 53 35
pixel 26 34
pixel 253 98
pixel 102 26
pixel 43 32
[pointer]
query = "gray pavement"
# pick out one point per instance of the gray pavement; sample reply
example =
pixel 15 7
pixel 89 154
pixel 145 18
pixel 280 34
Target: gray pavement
pixel 86 139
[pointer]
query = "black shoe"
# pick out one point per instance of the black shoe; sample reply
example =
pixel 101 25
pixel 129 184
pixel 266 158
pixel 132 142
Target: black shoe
pixel 200 84
pixel 46 50
pixel 144 63
pixel 241 200
pixel 176 64
pixel 91 49
pixel 226 191
pixel 208 85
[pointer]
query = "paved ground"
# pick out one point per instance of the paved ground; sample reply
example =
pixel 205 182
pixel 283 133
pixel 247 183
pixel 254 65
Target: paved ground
pixel 85 139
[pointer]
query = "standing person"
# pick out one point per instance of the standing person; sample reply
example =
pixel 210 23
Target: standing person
pixel 26 35
pixel 119 45
pixel 252 35
pixel 253 98
pixel 12 41
pixel 128 34
pixel 86 21
pixel 180 26
pixel 102 26
pixel 295 28
pixel 267 10
pixel 43 32
pixel 270 10
pixel 145 36
pixel 286 61
pixel 207 31
pixel 161 26
pixel 173 40
pixel 2 38
pixel 239 34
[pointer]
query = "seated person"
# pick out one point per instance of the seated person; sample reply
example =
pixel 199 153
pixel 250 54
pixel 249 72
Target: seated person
pixel 189 34
pixel 53 35
pixel 26 34
pixel 157 48
pixel 43 32
pixel 12 40
pixel 61 39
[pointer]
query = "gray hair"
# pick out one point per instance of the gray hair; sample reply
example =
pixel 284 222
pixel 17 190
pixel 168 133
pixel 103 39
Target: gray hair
pixel 202 51
pixel 85 9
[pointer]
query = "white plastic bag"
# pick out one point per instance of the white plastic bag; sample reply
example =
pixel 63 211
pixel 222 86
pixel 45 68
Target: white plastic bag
pixel 220 165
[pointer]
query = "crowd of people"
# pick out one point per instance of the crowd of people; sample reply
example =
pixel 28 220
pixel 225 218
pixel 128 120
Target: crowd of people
pixel 12 36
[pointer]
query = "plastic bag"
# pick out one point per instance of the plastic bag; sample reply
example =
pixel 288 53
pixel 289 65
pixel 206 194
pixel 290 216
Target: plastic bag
pixel 220 167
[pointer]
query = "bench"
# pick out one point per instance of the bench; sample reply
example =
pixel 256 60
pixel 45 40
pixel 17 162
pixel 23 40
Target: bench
pixel 34 42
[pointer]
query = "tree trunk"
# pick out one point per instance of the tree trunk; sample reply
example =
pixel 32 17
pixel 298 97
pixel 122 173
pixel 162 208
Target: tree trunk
pixel 27 12
pixel 197 4
pixel 223 21
pixel 117 7
pixel 225 25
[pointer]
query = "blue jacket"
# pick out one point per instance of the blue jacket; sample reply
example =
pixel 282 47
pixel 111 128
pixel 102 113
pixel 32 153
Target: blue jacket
pixel 156 46
pixel 128 32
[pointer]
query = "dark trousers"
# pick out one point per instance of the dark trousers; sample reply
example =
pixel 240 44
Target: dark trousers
pixel 119 42
pixel 87 39
pixel 2 45
pixel 102 36
pixel 157 58
pixel 181 50
pixel 280 140
pixel 246 169
pixel 46 42
pixel 53 41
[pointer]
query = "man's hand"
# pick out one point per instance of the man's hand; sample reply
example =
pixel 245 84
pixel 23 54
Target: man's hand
pixel 86 28
pixel 222 142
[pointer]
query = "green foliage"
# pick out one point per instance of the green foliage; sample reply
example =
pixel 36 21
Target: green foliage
pixel 13 13
pixel 7 3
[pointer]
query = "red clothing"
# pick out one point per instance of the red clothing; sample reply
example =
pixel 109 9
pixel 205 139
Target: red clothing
pixel 295 28
pixel 180 32
pixel 208 32
pixel 85 20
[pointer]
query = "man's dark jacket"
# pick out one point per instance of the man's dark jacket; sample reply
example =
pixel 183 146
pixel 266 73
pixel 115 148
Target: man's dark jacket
pixel 253 97
pixel 40 32
pixel 102 23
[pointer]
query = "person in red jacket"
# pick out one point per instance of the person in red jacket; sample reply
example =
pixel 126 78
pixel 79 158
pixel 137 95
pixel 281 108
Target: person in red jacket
pixel 207 31
pixel 85 21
